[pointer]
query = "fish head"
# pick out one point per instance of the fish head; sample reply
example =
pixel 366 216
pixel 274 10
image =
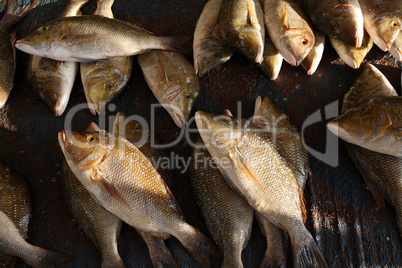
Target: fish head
pixel 296 44
pixel 85 150
pixel 9 179
pixel 44 39
pixel 131 130
pixel 248 41
pixel 387 26
pixel 344 22
pixel 180 98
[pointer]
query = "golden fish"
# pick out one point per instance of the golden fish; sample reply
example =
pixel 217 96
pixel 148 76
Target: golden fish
pixel 254 166
pixel 313 59
pixel 124 182
pixel 272 60
pixel 104 80
pixel 15 12
pixel 172 79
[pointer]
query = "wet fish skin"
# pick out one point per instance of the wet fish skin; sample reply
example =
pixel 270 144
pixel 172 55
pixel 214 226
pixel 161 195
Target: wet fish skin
pixel 91 37
pixel 349 54
pixel 342 20
pixel 104 80
pixel 272 60
pixel 227 214
pixel 289 29
pixel 313 59
pixel 209 50
pixel 14 13
pixel 247 151
pixel 172 79
pixel 374 124
pixel 241 27
pixel 382 21
pixel 396 48
pixel 124 181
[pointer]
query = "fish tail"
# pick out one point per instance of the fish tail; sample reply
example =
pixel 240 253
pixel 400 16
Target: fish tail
pixel 180 44
pixel 47 258
pixel 158 251
pixel 16 11
pixel 230 262
pixel 112 262
pixel 307 254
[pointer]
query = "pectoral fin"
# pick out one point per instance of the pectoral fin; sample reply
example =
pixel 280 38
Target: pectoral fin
pixel 252 15
pixel 284 17
pixel 377 194
pixel 77 39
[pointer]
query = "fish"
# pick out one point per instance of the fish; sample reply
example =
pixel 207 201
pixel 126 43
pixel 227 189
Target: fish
pixel 272 60
pixel 342 20
pixel 92 37
pixel 13 244
pixel 384 178
pixel 14 13
pixel 289 29
pixel 382 21
pixel 104 80
pixel 209 49
pixel 256 168
pixel 396 48
pixel 241 25
pixel 173 80
pixel 228 216
pixel 349 54
pixel 313 59
pixel 374 124
pixel 53 80
pixel 125 183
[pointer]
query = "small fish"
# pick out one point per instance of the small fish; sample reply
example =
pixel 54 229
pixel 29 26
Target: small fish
pixel 289 29
pixel 342 20
pixel 104 80
pixel 313 59
pixel 15 12
pixel 91 37
pixel 349 54
pixel 228 216
pixel 241 25
pixel 382 21
pixel 172 79
pixel 272 60
pixel 374 124
pixel 124 182
pixel 208 47
pixel 252 163
pixel 13 244
pixel 396 48
pixel 53 80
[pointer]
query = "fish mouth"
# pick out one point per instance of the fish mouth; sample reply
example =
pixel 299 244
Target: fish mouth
pixel 381 43
pixel 337 129
pixel 27 48
pixel 351 62
pixel 179 119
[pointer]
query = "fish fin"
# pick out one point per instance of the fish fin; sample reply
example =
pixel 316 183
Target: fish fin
pixel 175 206
pixel 91 163
pixel 284 17
pixel 180 44
pixel 212 28
pixel 93 127
pixel 85 38
pixel 377 194
pixel 133 21
pixel 100 178
pixel 16 11
pixel 116 124
pixel 227 112
pixel 252 15
pixel 306 254
pixel 49 258
pixel 242 166
pixel 22 232
pixel 158 251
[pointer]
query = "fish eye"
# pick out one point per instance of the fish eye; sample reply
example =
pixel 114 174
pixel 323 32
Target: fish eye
pixel 395 24
pixel 45 28
pixel 109 86
pixel 187 96
pixel 335 26
pixel 305 41
pixel 41 88
pixel 90 138
pixel 364 109
pixel 137 126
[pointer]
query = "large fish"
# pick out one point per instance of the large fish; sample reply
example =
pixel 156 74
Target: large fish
pixel 374 123
pixel 256 168
pixel 396 49
pixel 13 244
pixel 242 26
pixel 124 181
pixel 92 37
pixel 53 80
pixel 351 55
pixel 384 178
pixel 15 12
pixel 104 80
pixel 382 21
pixel 289 29
pixel 272 60
pixel 208 47
pixel 313 59
pixel 340 19
pixel 172 79
pixel 227 214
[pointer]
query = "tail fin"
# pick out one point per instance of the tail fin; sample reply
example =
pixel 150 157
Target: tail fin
pixel 16 11
pixel 180 44
pixel 47 258
pixel 306 254
pixel 112 263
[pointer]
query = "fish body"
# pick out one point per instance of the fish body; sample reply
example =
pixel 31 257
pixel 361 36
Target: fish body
pixel 208 47
pixel 93 37
pixel 396 48
pixel 241 25
pixel 349 54
pixel 15 12
pixel 382 21
pixel 172 79
pixel 313 59
pixel 374 124
pixel 289 30
pixel 272 60
pixel 255 167
pixel 124 181
pixel 340 19
pixel 227 214
pixel 104 80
